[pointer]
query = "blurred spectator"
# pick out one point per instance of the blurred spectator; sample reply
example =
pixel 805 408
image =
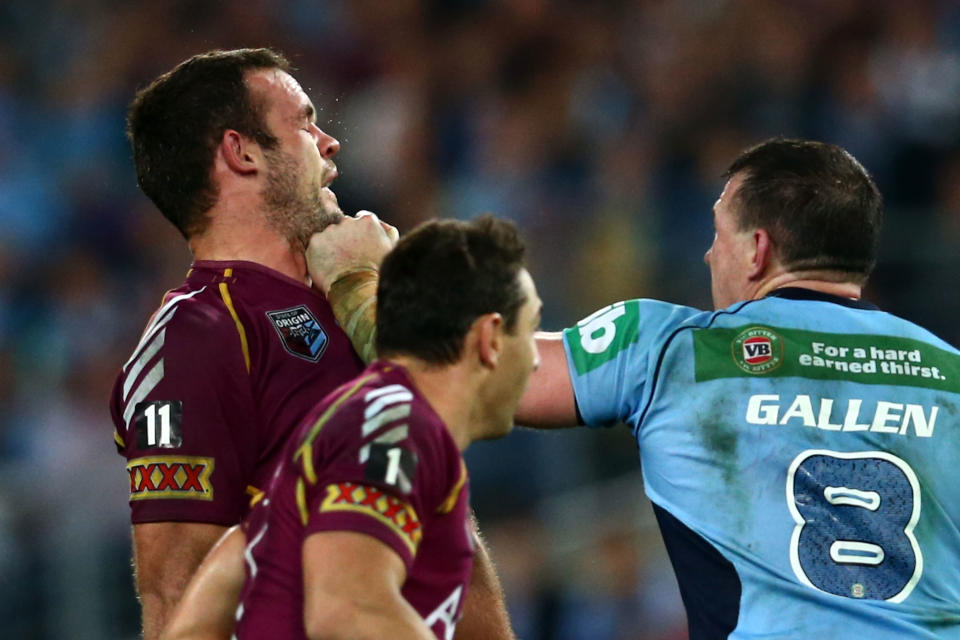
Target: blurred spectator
pixel 601 128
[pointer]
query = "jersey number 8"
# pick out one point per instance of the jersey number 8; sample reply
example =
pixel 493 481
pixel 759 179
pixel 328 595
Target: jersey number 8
pixel 855 514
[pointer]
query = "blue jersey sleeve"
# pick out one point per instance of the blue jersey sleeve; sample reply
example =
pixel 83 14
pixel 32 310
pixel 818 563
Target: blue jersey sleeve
pixel 612 356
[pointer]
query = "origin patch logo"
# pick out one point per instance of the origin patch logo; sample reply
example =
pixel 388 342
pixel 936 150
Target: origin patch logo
pixel 757 350
pixel 300 332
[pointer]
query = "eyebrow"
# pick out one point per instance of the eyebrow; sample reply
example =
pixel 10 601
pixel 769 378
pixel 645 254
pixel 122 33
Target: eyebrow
pixel 309 112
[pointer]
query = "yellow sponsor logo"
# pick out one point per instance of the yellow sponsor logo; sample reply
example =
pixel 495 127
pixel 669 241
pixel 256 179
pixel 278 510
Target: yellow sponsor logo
pixel 179 477
pixel 397 514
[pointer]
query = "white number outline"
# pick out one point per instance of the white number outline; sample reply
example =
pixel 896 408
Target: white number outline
pixel 908 530
pixel 151 414
pixel 603 321
pixel 393 465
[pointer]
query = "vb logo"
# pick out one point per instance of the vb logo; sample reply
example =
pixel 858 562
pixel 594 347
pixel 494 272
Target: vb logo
pixel 757 350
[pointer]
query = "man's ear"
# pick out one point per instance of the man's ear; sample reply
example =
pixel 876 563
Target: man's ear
pixel 240 154
pixel 762 254
pixel 487 334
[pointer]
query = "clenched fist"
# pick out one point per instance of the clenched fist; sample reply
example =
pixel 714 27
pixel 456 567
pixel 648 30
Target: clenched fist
pixel 351 245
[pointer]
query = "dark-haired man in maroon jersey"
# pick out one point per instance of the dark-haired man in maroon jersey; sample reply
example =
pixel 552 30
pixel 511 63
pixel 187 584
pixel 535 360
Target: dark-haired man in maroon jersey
pixel 227 146
pixel 365 530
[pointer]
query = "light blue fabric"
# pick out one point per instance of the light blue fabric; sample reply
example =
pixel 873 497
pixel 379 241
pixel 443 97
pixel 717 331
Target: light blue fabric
pixel 803 439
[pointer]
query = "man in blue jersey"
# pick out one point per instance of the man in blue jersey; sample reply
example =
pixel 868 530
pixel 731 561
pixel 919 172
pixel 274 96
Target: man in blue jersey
pixel 797 442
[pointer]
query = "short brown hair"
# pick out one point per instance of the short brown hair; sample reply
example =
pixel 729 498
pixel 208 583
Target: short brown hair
pixel 819 205
pixel 440 278
pixel 175 124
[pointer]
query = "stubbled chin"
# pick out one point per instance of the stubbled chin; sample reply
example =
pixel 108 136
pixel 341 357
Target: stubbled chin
pixel 330 206
pixel 326 214
pixel 326 219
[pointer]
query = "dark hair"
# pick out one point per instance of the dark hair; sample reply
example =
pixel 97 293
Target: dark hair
pixel 175 124
pixel 440 278
pixel 819 205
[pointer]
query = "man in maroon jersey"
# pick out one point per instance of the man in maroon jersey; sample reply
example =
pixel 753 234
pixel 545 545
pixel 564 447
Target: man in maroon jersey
pixel 365 530
pixel 227 146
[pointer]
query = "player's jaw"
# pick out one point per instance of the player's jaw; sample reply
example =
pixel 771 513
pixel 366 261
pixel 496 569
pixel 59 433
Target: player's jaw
pixel 299 202
pixel 327 199
pixel 519 360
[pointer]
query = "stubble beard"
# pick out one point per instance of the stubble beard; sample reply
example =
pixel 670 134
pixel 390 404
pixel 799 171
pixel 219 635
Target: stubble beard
pixel 295 207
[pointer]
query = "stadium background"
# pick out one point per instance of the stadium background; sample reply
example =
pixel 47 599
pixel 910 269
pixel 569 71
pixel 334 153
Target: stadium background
pixel 600 127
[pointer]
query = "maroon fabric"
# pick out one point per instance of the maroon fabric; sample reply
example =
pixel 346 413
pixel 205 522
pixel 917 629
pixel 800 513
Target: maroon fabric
pixel 415 466
pixel 228 424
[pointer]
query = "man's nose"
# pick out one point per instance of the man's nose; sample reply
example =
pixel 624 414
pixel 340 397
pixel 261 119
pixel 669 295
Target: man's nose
pixel 328 145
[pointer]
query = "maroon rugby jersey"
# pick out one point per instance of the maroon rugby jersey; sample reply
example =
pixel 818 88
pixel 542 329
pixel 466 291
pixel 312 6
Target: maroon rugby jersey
pixel 225 371
pixel 376 459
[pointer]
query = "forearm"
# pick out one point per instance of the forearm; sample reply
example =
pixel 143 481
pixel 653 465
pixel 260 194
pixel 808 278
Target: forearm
pixel 352 622
pixel 166 554
pixel 154 611
pixel 352 590
pixel 549 402
pixel 343 260
pixel 158 600
pixel 208 607
pixel 353 298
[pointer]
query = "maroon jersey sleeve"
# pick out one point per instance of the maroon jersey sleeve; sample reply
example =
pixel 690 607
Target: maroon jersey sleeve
pixel 388 467
pixel 184 416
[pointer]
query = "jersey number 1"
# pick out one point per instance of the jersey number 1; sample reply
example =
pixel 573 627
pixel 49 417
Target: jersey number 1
pixel 855 514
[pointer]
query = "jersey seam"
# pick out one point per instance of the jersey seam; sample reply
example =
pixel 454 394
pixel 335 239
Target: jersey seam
pixel 662 355
pixel 451 500
pixel 228 301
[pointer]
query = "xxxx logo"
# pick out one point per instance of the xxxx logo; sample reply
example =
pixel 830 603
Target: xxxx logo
pixel 185 477
pixel 397 514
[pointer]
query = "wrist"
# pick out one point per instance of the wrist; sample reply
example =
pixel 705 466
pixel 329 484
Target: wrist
pixel 353 299
pixel 325 284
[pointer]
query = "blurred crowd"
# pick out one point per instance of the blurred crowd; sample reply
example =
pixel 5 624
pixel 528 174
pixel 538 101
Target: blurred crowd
pixel 602 128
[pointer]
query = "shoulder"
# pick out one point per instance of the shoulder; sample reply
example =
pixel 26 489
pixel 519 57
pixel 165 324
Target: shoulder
pixel 204 312
pixel 630 326
pixel 186 340
pixel 383 407
pixel 381 423
pixel 638 316
pixel 198 321
pixel 912 330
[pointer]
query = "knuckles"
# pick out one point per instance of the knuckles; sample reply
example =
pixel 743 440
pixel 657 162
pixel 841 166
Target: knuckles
pixel 350 231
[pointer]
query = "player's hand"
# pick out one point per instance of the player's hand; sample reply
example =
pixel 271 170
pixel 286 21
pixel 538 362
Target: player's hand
pixel 354 243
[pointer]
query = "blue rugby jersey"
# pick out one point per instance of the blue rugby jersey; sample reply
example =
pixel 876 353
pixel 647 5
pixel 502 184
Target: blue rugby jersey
pixel 801 453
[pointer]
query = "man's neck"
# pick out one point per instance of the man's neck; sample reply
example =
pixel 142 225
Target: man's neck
pixel 243 240
pixel 836 287
pixel 451 392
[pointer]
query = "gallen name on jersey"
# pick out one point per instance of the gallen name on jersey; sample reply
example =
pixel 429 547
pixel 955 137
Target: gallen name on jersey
pixel 846 415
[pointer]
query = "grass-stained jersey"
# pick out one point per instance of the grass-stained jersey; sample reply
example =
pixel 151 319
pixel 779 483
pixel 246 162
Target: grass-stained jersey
pixel 800 451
